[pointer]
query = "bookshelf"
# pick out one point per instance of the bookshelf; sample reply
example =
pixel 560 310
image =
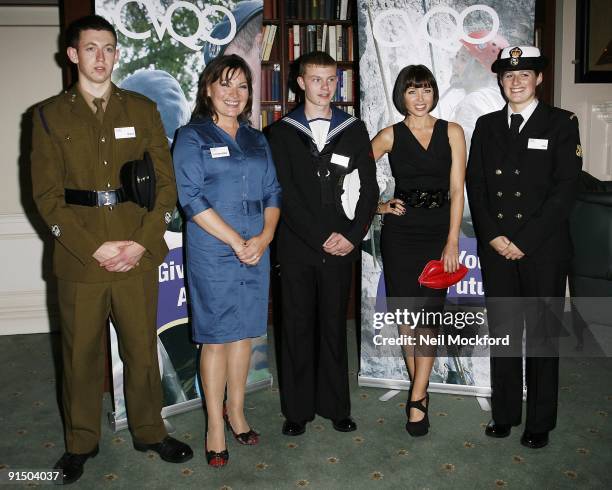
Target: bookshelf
pixel 295 27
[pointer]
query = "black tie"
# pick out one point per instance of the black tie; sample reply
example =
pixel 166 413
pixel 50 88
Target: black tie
pixel 515 123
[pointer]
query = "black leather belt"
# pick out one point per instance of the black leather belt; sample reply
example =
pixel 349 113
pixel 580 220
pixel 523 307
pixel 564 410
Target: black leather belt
pixel 423 198
pixel 111 197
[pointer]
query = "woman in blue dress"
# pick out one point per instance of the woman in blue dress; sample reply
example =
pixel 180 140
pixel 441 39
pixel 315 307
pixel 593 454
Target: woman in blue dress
pixel 229 193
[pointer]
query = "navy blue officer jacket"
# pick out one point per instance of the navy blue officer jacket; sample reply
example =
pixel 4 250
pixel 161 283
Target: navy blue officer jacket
pixel 525 188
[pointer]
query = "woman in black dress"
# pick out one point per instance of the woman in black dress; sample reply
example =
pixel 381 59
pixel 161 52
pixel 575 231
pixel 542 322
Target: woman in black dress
pixel 422 221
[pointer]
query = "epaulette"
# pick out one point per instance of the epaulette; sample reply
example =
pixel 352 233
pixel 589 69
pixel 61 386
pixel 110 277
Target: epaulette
pixel 119 92
pixel 41 112
pixel 572 116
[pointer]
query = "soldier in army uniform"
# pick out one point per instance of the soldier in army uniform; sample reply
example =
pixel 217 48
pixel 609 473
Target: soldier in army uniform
pixel 522 176
pixel 107 248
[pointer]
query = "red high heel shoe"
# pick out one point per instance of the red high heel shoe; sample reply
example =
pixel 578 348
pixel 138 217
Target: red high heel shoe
pixel 216 459
pixel 249 438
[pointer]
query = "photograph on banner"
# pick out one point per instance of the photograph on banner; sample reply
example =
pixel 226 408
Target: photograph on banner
pixel 163 47
pixel 457 40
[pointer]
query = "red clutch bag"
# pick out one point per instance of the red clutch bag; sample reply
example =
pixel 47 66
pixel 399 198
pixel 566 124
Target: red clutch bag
pixel 434 277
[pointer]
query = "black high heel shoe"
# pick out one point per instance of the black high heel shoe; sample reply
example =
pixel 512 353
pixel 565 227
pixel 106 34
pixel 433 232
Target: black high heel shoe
pixel 420 428
pixel 249 438
pixel 407 408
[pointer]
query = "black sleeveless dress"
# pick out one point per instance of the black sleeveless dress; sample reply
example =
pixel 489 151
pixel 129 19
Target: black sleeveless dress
pixel 408 242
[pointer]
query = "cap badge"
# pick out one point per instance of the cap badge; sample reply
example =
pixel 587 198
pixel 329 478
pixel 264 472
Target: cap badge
pixel 515 54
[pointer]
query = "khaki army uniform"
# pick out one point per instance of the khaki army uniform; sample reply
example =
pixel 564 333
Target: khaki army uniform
pixel 73 150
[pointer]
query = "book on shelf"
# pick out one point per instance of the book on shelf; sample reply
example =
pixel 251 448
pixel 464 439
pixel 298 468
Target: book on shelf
pixel 270 9
pixel 268 115
pixel 318 9
pixel 331 48
pixel 296 41
pixel 311 40
pixel 271 89
pixel 336 40
pixel 345 88
pixel 269 36
pixel 290 96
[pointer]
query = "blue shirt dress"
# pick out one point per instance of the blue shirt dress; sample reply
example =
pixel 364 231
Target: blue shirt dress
pixel 236 178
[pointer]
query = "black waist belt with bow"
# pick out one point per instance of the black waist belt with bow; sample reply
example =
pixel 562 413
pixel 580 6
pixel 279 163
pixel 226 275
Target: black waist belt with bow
pixel 95 198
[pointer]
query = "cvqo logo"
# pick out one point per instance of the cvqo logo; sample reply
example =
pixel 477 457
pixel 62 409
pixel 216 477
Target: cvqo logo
pixel 163 23
pixel 421 31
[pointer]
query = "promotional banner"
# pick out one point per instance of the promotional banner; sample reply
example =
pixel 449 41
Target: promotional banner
pixel 164 46
pixel 457 40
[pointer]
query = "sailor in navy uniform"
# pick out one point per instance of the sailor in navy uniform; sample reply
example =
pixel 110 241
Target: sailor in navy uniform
pixel 522 176
pixel 314 147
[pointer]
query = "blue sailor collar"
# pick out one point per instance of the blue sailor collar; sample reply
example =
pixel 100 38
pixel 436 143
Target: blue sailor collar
pixel 340 120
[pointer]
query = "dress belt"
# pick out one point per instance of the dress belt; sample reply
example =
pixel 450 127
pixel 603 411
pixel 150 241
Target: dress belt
pixel 247 208
pixel 423 198
pixel 111 197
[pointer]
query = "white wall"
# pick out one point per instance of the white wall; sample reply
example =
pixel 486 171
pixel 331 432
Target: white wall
pixel 592 102
pixel 29 40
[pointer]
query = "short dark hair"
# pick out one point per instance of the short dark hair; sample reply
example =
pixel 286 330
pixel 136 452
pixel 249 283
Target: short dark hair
pixel 316 58
pixel 413 76
pixel 222 66
pixel 93 22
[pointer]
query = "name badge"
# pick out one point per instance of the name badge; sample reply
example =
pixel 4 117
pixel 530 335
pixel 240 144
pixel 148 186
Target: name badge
pixel 340 160
pixel 220 151
pixel 536 144
pixel 127 132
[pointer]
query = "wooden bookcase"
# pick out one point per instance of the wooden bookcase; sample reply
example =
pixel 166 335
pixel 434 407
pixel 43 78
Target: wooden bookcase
pixel 280 54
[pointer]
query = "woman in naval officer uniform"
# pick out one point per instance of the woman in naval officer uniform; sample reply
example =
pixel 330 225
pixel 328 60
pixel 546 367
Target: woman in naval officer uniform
pixel 522 174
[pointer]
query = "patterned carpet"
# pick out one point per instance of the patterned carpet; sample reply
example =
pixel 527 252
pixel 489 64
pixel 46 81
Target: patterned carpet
pixel 380 454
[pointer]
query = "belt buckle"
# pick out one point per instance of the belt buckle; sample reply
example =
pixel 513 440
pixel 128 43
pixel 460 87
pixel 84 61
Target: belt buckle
pixel 106 198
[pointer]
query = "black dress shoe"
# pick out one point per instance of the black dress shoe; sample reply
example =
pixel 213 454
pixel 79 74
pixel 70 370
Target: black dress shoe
pixel 293 428
pixel 497 430
pixel 71 465
pixel 345 425
pixel 534 440
pixel 169 449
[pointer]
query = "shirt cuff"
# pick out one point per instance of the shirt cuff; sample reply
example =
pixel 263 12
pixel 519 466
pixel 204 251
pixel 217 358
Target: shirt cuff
pixel 273 201
pixel 196 206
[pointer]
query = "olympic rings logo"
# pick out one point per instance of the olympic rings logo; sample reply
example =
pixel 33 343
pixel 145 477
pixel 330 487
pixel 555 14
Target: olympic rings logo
pixel 164 23
pixel 422 28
